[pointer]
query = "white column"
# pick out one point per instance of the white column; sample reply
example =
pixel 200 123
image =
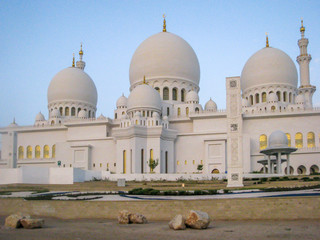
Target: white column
pixel 279 170
pixel 269 165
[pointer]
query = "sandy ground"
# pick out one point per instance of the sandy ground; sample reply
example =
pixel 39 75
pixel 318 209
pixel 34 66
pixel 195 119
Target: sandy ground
pixel 109 229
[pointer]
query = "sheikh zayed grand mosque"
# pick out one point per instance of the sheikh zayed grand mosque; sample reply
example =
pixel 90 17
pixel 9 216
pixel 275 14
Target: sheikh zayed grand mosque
pixel 269 124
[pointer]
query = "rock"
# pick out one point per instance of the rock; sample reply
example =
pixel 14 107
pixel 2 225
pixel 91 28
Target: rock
pixel 124 217
pixel 138 218
pixel 32 223
pixel 178 223
pixel 13 221
pixel 198 220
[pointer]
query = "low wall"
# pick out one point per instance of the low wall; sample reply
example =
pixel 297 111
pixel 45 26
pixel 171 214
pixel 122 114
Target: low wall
pixel 10 175
pixel 218 209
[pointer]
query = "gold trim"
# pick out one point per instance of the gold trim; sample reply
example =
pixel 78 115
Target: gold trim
pixel 164 24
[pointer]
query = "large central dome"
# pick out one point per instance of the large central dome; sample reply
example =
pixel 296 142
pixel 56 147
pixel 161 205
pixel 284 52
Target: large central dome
pixel 164 56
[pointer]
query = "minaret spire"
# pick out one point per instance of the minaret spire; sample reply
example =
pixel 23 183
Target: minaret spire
pixel 304 59
pixel 73 61
pixel 267 40
pixel 81 64
pixel 164 24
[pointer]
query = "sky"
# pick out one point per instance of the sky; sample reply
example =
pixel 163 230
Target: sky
pixel 38 39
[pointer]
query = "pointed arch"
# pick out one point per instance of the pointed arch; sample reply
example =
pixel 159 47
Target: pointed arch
pixel 20 152
pixel 165 93
pixel 263 141
pixel 29 152
pixel 46 151
pixel 37 152
pixel 311 140
pixel 299 140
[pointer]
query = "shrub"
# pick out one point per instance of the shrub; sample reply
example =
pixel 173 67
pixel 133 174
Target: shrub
pixel 212 191
pixel 226 191
pixel 198 192
pixel 182 192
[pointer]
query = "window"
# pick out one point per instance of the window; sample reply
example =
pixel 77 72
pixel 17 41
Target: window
pixel 54 151
pixel 174 94
pixel 21 152
pixel 66 111
pixel 185 162
pixel 264 97
pixel 115 116
pixel 89 114
pixel 187 111
pixel 46 151
pixel 215 171
pixel 257 97
pixel 278 95
pixel 289 139
pixel 79 109
pixel 263 141
pixel 158 89
pixel 29 152
pixel 37 152
pixel 165 93
pixel 311 140
pixel 168 111
pixel 251 99
pixel 183 92
pixel 73 111
pixel 178 163
pixel 142 160
pixel 61 111
pixel 299 141
pixel 284 96
pixel 179 111
pixel 290 97
pixel 197 110
pixel 124 161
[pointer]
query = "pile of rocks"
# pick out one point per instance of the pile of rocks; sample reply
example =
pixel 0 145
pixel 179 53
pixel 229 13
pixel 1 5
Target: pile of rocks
pixel 19 220
pixel 126 217
pixel 195 220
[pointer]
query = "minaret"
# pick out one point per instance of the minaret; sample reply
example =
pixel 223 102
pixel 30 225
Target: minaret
pixel 304 59
pixel 164 24
pixel 81 64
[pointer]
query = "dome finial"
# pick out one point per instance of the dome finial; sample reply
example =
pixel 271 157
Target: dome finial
pixel 267 40
pixel 81 52
pixel 73 65
pixel 302 28
pixel 144 79
pixel 164 23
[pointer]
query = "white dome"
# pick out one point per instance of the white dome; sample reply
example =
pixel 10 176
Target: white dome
pixel 300 99
pixel 137 114
pixel 82 114
pixel 192 96
pixel 268 66
pixel 164 56
pixel 156 115
pixel 72 84
pixel 40 117
pixel 272 97
pixel 55 113
pixel 144 97
pixel 165 118
pixel 278 139
pixel 245 102
pixel 122 101
pixel 211 106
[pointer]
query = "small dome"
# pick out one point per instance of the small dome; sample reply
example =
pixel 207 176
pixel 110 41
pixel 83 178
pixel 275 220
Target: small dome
pixel 278 139
pixel 211 106
pixel 13 124
pixel 192 96
pixel 144 97
pixel 300 99
pixel 165 118
pixel 245 102
pixel 72 84
pixel 101 117
pixel 122 101
pixel 82 114
pixel 266 67
pixel 137 114
pixel 55 113
pixel 164 56
pixel 272 97
pixel 156 115
pixel 40 117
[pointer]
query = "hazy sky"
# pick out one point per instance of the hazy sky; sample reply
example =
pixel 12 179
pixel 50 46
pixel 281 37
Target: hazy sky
pixel 38 39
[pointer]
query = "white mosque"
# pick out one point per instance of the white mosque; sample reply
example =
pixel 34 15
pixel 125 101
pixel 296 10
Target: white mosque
pixel 162 119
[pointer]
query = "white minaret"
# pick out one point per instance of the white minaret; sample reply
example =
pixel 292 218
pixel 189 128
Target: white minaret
pixel 81 64
pixel 304 59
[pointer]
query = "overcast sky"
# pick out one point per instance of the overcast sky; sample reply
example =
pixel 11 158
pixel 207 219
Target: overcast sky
pixel 38 39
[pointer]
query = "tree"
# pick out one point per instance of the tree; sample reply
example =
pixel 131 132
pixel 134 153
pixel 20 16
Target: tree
pixel 200 167
pixel 153 164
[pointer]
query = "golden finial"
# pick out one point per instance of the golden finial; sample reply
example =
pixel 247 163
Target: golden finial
pixel 302 28
pixel 164 23
pixel 81 52
pixel 73 65
pixel 267 40
pixel 144 79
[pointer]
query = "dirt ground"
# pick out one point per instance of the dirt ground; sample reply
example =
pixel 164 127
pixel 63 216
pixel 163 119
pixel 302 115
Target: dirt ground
pixel 92 229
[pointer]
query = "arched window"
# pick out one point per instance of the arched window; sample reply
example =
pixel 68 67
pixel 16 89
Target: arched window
pixel 73 111
pixel 137 121
pixel 197 110
pixel 257 97
pixel 115 116
pixel 46 151
pixel 185 162
pixel 279 96
pixel 298 140
pixel 89 114
pixel 66 111
pixel 264 97
pixel 93 114
pixel 174 94
pixel 183 92
pixel 52 122
pixel 166 93
pixel 290 97
pixel 20 152
pixel 124 161
pixel 215 171
pixel 37 152
pixel 263 141
pixel 61 111
pixel 187 111
pixel 166 161
pixel 311 140
pixel 54 151
pixel 79 109
pixel 142 160
pixel 179 111
pixel 273 108
pixel 284 96
pixel 251 99
pixel 158 89
pixel 168 111
pixel 29 152
pixel 289 139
